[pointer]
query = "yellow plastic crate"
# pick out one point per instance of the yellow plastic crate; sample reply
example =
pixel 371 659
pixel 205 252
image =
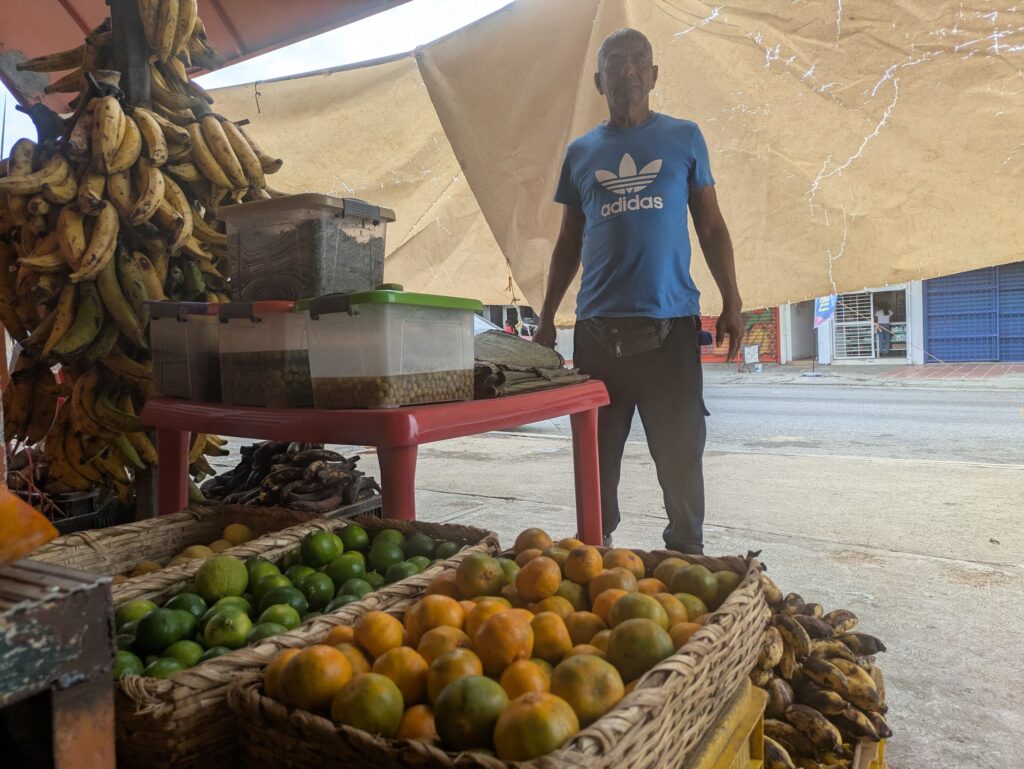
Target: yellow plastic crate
pixel 869 755
pixel 736 741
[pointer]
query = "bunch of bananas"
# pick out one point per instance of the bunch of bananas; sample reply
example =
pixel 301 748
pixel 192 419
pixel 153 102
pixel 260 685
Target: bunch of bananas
pixel 120 209
pixel 822 695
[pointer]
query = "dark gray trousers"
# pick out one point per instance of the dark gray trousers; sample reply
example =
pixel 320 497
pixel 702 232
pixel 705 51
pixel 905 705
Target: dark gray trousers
pixel 666 386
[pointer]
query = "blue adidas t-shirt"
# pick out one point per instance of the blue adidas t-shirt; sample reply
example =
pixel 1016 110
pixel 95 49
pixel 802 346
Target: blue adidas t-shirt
pixel 633 185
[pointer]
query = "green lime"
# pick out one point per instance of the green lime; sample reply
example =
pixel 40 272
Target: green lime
pixel 253 560
pixel 375 578
pixel 511 568
pixel 126 664
pixel 298 572
pixel 125 640
pixel 291 558
pixel 357 587
pixel 186 652
pixel 281 614
pixel 158 630
pixel 163 667
pixel 337 603
pixel 289 595
pixel 354 537
pixel 187 620
pixel 214 652
pixel 318 589
pixel 261 570
pixel 419 561
pixel 235 600
pixel 317 549
pixel 227 628
pixel 264 630
pixel 221 576
pixel 385 554
pixel 420 544
pixel 133 610
pixel 446 550
pixel 128 627
pixel 190 602
pixel 391 536
pixel 345 567
pixel 268 583
pixel 339 543
pixel 400 570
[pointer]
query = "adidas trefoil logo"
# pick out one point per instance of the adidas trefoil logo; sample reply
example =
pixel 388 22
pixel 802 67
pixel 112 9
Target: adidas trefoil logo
pixel 629 181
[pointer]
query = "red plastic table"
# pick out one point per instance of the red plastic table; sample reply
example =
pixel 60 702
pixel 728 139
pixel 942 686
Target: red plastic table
pixel 395 432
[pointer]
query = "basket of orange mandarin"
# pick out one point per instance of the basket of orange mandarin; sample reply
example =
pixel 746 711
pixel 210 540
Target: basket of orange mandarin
pixel 558 654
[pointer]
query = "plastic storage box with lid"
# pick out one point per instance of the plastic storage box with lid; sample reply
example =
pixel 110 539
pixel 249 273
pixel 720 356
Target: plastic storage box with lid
pixel 183 337
pixel 388 348
pixel 263 356
pixel 305 245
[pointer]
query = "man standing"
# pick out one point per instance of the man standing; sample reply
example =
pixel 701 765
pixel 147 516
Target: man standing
pixel 625 188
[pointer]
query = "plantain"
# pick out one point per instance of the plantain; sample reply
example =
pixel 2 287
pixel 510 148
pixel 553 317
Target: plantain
pixel 107 131
pixel 771 648
pixel 90 192
pixel 814 610
pixel 146 270
pixel 153 140
pixel 188 12
pixel 173 133
pixel 831 647
pixel 118 306
pixel 304 458
pixel 149 182
pixel 101 246
pixel 825 674
pixel 11 322
pixel 861 689
pixel 127 451
pixel 129 150
pixel 69 83
pixel 54 62
pixel 760 677
pixel 855 725
pixel 816 628
pixel 17 401
pixel 186 172
pixel 54 171
pixel 113 419
pixel 102 345
pixel 44 405
pixel 780 697
pixel 119 189
pixel 74 451
pixel 269 164
pixel 793 635
pixel 88 321
pixel 175 197
pixel 144 447
pixel 789 737
pixel 166 24
pixel 221 149
pixel 79 140
pixel 814 696
pixel 787 666
pixel 771 591
pixel 164 95
pixel 64 316
pixel 62 192
pixel 133 285
pixel 776 756
pixel 841 620
pixel 128 370
pixel 182 118
pixel 881 725
pixel 38 205
pixel 108 462
pixel 814 726
pixel 148 12
pixel 34 342
pixel 862 644
pixel 205 159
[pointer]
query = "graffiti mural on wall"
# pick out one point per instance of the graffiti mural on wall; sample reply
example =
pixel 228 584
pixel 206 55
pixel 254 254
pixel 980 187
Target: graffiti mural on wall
pixel 761 327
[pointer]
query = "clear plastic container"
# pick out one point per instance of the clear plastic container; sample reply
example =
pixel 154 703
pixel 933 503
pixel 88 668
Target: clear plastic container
pixel 183 337
pixel 305 245
pixel 264 360
pixel 388 348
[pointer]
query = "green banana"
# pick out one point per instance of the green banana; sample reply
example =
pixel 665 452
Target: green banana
pixel 88 322
pixel 128 451
pixel 118 307
pixel 102 345
pixel 133 284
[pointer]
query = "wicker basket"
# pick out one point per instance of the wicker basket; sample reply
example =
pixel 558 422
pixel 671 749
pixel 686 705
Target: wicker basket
pixel 118 549
pixel 655 726
pixel 182 722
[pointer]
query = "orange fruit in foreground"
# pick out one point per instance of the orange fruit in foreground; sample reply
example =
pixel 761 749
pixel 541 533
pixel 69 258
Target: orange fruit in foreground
pixel 479 574
pixel 272 674
pixel 526 556
pixel 620 578
pixel 538 579
pixel 601 640
pixel 570 543
pixel 544 665
pixel 583 564
pixel 467 711
pixel 585 649
pixel 377 632
pixel 605 601
pixel 574 594
pixel 430 612
pixel 480 614
pixel 355 656
pixel 626 559
pixel 448 667
pixel 556 554
pixel 637 606
pixel 408 670
pixel 673 608
pixel 533 725
pixel 680 633
pixel 503 639
pixel 555 603
pixel 530 539
pixel 370 702
pixel 511 594
pixel 590 685
pixel 418 724
pixel 584 625
pixel 443 584
pixel 651 586
pixel 636 646
pixel 313 676
pixel 342 634
pixel 524 676
pixel 664 570
pixel 551 639
pixel 442 640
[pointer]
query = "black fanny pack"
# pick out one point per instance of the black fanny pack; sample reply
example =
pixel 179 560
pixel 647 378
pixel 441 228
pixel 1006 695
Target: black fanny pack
pixel 623 337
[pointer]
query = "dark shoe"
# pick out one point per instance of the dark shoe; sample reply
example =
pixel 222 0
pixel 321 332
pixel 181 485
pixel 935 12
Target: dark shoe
pixel 607 540
pixel 686 548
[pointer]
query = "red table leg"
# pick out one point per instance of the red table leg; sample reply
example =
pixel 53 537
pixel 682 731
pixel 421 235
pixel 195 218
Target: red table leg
pixel 588 476
pixel 172 473
pixel 398 481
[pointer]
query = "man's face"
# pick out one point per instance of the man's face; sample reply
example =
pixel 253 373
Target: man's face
pixel 627 75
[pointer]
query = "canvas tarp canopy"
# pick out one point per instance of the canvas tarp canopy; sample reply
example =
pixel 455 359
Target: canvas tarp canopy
pixel 854 145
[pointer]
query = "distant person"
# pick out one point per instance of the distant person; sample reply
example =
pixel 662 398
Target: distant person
pixel 509 328
pixel 883 329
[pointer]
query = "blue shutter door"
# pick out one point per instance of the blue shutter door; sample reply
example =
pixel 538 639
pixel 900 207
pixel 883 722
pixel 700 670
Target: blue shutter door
pixel 1011 311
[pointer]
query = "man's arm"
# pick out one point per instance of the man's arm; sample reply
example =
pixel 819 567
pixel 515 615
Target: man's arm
pixel 717 247
pixel 565 263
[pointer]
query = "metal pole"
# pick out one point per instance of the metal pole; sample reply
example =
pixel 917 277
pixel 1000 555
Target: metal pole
pixel 131 51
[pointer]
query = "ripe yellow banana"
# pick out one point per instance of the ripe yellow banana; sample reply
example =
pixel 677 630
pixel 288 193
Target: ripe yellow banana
pixel 175 197
pixel 45 262
pixel 54 62
pixel 88 321
pixel 38 205
pixel 187 172
pixel 174 133
pixel 164 95
pixel 119 189
pixel 107 131
pixel 206 233
pixel 149 182
pixel 154 286
pixel 841 620
pixel 90 191
pixel 205 159
pixel 148 11
pixel 75 454
pixel 101 246
pixel 80 138
pixel 177 117
pixel 108 462
pixel 129 150
pixel 133 285
pixel 776 756
pixel 271 165
pixel 118 306
pixel 188 12
pixel 82 411
pixel 166 24
pixel 144 447
pixel 62 192
pixel 128 452
pixel 771 648
pixel 153 138
pixel 54 171
pixel 246 155
pixel 64 316
pixel 219 145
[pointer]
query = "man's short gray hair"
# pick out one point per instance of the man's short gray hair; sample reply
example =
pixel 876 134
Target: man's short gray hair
pixel 619 35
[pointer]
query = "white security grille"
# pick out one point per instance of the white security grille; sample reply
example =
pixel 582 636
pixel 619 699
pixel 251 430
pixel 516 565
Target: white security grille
pixel 854 326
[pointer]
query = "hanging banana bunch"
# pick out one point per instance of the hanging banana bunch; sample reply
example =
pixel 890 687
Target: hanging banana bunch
pixel 123 209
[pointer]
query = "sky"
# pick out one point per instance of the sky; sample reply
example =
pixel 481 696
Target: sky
pixel 394 31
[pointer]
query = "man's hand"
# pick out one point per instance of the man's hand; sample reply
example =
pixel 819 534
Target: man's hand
pixel 545 334
pixel 730 322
